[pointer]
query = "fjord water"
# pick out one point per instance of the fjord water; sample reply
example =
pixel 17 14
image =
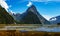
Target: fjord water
pixel 48 29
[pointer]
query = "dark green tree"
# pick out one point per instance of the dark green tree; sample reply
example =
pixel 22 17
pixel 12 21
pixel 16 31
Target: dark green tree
pixel 5 18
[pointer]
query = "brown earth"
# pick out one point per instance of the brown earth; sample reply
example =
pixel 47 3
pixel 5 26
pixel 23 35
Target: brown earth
pixel 30 33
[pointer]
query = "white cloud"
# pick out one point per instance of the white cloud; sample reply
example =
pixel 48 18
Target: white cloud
pixel 4 4
pixel 12 12
pixel 39 0
pixel 29 4
pixel 53 19
pixel 47 17
pixel 43 0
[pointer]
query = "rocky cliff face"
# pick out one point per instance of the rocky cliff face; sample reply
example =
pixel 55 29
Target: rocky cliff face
pixel 5 18
pixel 31 16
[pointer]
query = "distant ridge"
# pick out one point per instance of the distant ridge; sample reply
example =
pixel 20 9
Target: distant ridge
pixel 55 20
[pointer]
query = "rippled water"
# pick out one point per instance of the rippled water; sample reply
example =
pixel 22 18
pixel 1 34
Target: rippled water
pixel 54 29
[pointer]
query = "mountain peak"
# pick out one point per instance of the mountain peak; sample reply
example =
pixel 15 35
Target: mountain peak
pixel 32 8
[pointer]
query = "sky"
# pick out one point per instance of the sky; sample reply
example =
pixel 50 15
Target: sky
pixel 47 8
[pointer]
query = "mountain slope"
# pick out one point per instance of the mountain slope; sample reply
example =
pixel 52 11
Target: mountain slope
pixel 31 16
pixel 55 20
pixel 16 16
pixel 5 18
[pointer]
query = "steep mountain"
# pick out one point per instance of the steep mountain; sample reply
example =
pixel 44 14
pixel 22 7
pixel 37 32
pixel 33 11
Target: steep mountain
pixel 31 16
pixel 55 20
pixel 5 18
pixel 16 16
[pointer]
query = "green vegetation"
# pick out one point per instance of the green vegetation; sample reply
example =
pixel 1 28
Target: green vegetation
pixel 5 18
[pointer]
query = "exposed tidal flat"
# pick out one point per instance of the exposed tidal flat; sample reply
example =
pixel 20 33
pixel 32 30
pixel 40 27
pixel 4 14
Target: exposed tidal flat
pixel 30 27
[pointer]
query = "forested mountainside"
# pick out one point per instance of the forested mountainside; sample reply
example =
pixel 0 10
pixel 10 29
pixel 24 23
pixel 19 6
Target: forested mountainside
pixel 5 18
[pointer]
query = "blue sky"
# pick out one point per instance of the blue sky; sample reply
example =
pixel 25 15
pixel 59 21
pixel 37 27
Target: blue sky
pixel 47 8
